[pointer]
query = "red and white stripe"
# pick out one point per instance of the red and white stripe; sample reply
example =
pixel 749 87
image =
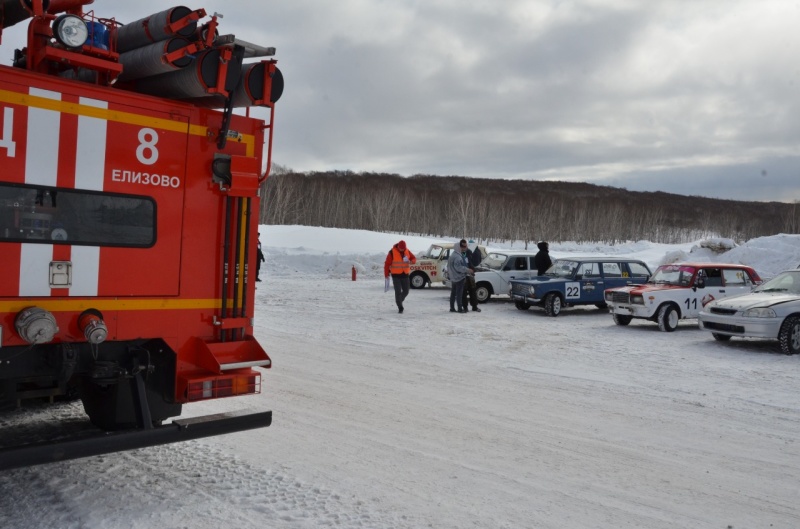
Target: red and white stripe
pixel 45 129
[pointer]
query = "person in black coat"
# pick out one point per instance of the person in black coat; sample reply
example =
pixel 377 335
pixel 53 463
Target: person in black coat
pixel 259 259
pixel 542 259
pixel 473 260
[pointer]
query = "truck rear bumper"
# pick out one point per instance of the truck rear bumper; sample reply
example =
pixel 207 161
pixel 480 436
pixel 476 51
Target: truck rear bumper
pixel 104 442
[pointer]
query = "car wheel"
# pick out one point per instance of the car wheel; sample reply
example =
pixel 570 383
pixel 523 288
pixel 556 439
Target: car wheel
pixel 601 306
pixel 720 337
pixel 483 293
pixel 668 318
pixel 522 305
pixel 418 280
pixel 552 304
pixel 789 335
pixel 621 319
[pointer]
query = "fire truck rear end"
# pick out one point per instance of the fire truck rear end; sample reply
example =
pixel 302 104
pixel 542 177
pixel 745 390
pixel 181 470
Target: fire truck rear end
pixel 129 202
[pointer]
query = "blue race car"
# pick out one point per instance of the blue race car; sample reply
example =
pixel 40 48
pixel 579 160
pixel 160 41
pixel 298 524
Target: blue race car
pixel 577 281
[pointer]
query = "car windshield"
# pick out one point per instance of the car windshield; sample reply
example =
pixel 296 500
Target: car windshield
pixel 494 261
pixel 434 251
pixel 562 268
pixel 785 282
pixel 673 275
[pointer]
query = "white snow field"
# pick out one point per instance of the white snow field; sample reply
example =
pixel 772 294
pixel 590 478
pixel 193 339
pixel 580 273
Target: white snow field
pixel 431 419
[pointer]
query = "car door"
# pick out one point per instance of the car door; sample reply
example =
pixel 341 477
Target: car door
pixel 587 286
pixel 516 267
pixel 699 296
pixel 441 263
pixel 615 274
pixel 736 281
pixel 638 273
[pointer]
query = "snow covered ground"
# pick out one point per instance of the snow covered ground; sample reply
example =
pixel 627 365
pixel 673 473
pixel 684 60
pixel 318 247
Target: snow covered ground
pixel 502 419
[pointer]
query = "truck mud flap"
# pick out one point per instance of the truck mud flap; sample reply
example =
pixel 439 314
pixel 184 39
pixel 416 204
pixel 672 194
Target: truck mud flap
pixel 108 442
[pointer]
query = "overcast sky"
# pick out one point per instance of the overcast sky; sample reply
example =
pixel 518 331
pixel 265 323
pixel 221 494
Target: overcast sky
pixel 691 97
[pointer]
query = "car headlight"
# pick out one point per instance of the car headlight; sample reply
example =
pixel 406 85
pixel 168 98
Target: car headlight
pixel 637 299
pixel 609 296
pixel 760 312
pixel 70 30
pixel 532 291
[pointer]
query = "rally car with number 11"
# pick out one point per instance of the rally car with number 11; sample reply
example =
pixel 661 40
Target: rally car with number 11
pixel 679 291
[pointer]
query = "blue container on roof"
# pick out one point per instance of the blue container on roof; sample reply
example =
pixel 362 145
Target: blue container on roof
pixel 98 35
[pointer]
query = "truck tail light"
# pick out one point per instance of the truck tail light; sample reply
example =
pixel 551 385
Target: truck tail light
pixel 223 386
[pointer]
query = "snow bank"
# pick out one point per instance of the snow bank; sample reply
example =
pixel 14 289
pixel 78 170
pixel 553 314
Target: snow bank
pixel 333 252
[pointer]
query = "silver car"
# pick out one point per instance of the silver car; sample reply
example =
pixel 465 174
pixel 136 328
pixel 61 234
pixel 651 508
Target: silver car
pixel 771 311
pixel 498 268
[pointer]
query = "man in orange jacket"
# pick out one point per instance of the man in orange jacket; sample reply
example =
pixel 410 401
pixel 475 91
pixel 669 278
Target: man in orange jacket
pixel 398 264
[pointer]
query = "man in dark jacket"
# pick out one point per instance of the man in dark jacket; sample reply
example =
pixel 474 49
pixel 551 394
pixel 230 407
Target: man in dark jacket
pixel 458 269
pixel 542 259
pixel 473 257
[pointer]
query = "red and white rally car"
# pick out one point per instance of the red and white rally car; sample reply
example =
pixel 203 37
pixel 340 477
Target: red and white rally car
pixel 679 291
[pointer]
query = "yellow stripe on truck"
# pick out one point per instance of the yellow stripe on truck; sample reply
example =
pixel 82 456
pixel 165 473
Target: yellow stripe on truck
pixel 75 305
pixel 17 98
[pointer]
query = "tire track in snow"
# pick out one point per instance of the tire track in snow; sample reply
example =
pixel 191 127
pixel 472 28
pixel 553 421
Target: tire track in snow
pixel 169 486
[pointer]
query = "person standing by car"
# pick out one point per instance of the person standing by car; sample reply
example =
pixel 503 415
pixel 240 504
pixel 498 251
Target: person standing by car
pixel 398 265
pixel 457 272
pixel 542 259
pixel 473 257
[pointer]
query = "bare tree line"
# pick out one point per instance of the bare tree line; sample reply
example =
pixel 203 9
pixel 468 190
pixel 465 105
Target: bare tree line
pixel 509 210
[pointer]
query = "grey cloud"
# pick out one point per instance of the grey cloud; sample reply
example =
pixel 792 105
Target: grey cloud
pixel 686 97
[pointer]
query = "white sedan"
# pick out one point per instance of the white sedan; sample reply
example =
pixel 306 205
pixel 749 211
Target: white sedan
pixel 771 311
pixel 498 268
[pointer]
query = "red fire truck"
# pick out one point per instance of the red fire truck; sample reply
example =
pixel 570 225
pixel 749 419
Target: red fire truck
pixel 129 202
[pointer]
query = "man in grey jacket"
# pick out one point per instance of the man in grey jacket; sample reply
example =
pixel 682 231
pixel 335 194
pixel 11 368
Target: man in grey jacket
pixel 457 272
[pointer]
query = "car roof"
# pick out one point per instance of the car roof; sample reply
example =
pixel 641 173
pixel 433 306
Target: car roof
pixel 513 252
pixel 711 265
pixel 600 259
pixel 445 244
